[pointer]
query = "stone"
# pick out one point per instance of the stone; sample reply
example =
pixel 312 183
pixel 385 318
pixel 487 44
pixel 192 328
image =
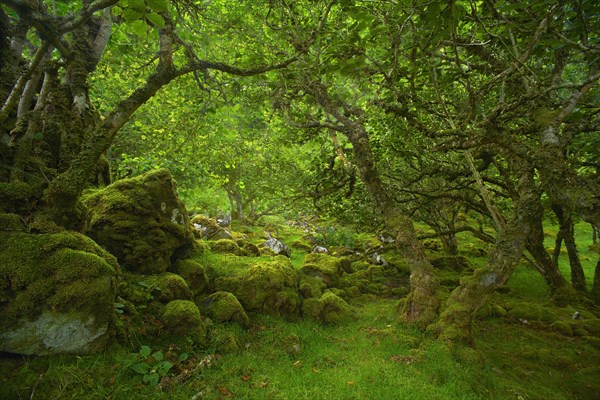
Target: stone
pixel 224 307
pixel 194 274
pixel 57 294
pixel 141 221
pixel 277 247
pixel 270 287
pixel 181 318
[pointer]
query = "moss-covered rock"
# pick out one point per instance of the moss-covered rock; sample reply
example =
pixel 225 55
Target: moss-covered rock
pixel 269 286
pixel 167 287
pixel 311 287
pixel 141 221
pixel 194 274
pixel 11 222
pixel 208 228
pixel 562 327
pixel 247 248
pixel 224 307
pixel 329 309
pixel 181 318
pixel 225 246
pixel 327 268
pixel 57 293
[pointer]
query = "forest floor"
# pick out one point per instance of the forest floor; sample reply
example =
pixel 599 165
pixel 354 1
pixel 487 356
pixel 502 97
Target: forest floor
pixel 372 356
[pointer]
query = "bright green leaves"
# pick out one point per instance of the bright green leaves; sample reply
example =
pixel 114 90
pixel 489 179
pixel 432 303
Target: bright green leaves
pixel 141 14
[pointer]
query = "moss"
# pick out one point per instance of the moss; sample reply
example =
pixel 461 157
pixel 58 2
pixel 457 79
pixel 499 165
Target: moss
pixel 325 267
pixel 225 246
pixel 225 341
pixel 453 263
pixel 194 274
pixel 267 286
pixel 64 273
pixel 224 307
pixel 167 287
pixel 562 327
pixel 181 318
pixel 11 222
pixel 311 286
pixel 247 248
pixel 15 196
pixel 141 221
pixel 329 309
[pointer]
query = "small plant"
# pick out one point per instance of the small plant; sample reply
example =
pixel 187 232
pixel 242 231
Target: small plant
pixel 152 366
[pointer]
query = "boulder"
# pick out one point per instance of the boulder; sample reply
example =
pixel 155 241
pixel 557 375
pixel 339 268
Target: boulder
pixel 141 221
pixel 325 267
pixel 268 286
pixel 194 274
pixel 277 247
pixel 329 309
pixel 57 294
pixel 209 228
pixel 182 319
pixel 224 307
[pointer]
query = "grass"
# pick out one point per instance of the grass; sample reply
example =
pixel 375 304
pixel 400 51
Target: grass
pixel 373 356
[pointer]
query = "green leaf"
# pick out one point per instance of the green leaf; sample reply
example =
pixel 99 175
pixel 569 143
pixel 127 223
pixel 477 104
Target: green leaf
pixel 156 19
pixel 183 356
pixel 159 5
pixel 116 10
pixel 141 368
pixel 158 356
pixel 131 15
pixel 145 351
pixel 140 28
pixel 151 379
pixel 137 5
pixel 164 368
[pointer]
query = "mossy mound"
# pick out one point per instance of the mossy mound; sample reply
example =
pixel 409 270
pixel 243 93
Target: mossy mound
pixel 57 293
pixel 182 319
pixel 167 287
pixel 224 307
pixel 269 286
pixel 194 274
pixel 11 223
pixel 141 221
pixel 208 228
pixel 247 248
pixel 327 268
pixel 329 309
pixel 225 246
pixel 452 263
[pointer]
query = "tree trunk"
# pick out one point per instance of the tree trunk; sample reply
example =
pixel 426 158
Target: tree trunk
pixel 596 285
pixel 455 323
pixel 567 233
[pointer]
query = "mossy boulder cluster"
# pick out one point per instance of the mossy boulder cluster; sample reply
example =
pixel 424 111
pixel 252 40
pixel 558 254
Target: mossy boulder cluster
pixel 267 286
pixel 141 221
pixel 57 293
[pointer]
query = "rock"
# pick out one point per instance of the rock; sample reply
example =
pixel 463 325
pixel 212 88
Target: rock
pixel 224 307
pixel 326 268
pixel 224 221
pixel 329 309
pixel 248 248
pixel 194 274
pixel 277 247
pixel 225 246
pixel 268 286
pixel 141 221
pixel 209 228
pixel 319 249
pixel 181 318
pixel 167 287
pixel 378 259
pixel 57 294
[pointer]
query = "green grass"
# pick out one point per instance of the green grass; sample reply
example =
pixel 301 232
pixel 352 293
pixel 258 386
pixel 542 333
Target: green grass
pixel 373 356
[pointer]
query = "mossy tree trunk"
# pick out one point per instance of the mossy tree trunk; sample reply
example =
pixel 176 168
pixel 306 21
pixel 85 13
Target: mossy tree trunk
pixel 595 294
pixel 422 304
pixel 456 319
pixel 566 233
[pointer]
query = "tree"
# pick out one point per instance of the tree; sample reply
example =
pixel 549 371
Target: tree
pixel 56 136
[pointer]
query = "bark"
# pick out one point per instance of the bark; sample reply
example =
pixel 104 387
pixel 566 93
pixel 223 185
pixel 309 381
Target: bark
pixel 596 285
pixel 455 323
pixel 567 233
pixel 422 303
